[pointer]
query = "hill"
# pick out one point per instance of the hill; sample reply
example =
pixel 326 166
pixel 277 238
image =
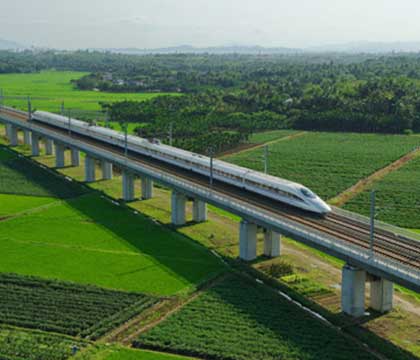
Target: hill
pixel 10 45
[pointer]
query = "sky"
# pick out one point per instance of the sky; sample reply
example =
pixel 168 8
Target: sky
pixel 74 24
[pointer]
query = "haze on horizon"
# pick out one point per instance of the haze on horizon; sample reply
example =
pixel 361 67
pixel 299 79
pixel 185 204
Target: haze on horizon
pixel 160 23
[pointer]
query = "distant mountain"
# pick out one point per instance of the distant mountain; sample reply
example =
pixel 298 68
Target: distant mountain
pixel 10 45
pixel 352 47
pixel 187 49
pixel 368 47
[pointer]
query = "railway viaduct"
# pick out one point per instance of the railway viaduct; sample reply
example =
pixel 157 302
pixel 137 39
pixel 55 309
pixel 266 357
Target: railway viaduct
pixel 393 257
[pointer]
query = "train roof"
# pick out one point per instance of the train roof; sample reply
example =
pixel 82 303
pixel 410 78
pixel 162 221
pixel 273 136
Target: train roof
pixel 241 171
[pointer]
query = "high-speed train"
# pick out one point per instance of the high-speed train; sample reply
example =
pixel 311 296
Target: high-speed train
pixel 272 187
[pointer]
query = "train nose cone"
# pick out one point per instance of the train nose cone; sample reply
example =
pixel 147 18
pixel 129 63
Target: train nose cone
pixel 322 206
pixel 325 208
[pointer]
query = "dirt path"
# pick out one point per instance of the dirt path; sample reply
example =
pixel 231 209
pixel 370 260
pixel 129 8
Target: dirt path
pixel 361 185
pixel 129 331
pixel 250 147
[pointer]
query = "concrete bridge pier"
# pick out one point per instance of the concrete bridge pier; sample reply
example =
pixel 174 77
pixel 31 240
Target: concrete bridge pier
pixel 60 160
pixel 128 186
pixel 35 144
pixel 178 202
pixel 49 147
pixel 353 291
pixel 13 137
pixel 199 211
pixel 247 240
pixel 75 157
pixel 381 294
pixel 107 169
pixel 90 175
pixel 27 137
pixel 272 243
pixel 146 188
pixel 8 131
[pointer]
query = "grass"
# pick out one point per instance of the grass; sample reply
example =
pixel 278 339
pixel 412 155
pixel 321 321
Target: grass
pixel 92 241
pixel 329 163
pixel 120 353
pixel 49 89
pixel 397 197
pixel 267 136
pixel 239 319
pixel 18 344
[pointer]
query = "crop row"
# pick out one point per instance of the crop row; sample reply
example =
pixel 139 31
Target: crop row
pixel 21 176
pixel 240 320
pixel 329 163
pixel 397 197
pixel 65 308
pixel 18 344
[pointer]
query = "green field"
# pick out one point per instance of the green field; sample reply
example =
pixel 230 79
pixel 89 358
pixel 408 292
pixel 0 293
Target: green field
pixel 88 239
pixel 242 320
pixel 49 89
pixel 397 197
pixel 92 241
pixel 66 308
pixel 329 163
pixel 20 344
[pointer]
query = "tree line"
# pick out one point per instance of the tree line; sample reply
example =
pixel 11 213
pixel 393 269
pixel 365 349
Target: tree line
pixel 228 97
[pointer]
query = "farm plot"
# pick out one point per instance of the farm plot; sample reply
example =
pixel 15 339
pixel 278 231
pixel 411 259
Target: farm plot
pixel 240 320
pixel 49 89
pixel 21 176
pixel 329 163
pixel 90 240
pixel 18 344
pixel 70 309
pixel 397 197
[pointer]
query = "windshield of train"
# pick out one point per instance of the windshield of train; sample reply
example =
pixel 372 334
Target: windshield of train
pixel 308 193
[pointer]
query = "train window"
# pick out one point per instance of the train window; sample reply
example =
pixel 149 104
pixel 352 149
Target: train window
pixel 308 193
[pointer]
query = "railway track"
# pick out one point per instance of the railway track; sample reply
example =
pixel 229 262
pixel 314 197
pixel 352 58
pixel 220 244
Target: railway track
pixel 344 228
